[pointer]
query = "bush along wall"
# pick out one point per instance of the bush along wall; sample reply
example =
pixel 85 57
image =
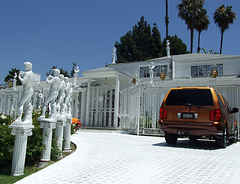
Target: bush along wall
pixel 34 144
pixel 6 140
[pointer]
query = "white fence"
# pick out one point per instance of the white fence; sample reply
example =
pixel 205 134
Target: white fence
pixel 140 105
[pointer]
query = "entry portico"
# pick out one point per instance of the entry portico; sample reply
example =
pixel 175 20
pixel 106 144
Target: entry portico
pixel 102 104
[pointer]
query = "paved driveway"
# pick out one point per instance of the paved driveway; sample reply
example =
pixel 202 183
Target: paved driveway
pixel 109 158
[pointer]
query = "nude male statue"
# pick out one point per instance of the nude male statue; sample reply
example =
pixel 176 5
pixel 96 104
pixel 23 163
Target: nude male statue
pixel 61 95
pixel 68 98
pixel 27 78
pixel 54 82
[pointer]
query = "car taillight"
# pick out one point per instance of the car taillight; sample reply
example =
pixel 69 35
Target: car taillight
pixel 163 113
pixel 215 115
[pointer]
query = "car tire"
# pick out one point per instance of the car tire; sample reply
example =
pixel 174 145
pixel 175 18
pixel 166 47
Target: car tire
pixel 222 141
pixel 235 139
pixel 171 138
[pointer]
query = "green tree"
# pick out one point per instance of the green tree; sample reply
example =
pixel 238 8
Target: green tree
pixel 11 74
pixel 125 49
pixel 156 43
pixel 62 71
pixel 201 24
pixel 73 68
pixel 139 44
pixel 223 17
pixel 188 11
pixel 142 38
pixel 176 44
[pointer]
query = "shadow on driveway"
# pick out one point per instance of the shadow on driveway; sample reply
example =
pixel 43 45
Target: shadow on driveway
pixel 188 144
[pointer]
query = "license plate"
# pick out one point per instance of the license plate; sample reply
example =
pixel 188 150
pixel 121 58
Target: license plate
pixel 187 115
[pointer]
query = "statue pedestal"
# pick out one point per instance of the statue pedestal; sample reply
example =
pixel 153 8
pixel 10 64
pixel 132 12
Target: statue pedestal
pixel 59 132
pixel 21 132
pixel 47 126
pixel 67 135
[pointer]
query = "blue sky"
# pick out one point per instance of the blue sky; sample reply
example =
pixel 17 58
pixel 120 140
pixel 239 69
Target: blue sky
pixel 59 32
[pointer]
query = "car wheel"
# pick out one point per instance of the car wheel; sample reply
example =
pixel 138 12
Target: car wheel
pixel 171 138
pixel 222 141
pixel 235 139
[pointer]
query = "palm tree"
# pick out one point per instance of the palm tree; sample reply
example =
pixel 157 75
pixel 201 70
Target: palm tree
pixel 201 24
pixel 188 11
pixel 11 74
pixel 223 17
pixel 166 19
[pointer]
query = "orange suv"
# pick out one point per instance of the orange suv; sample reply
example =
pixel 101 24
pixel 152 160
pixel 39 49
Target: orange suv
pixel 197 112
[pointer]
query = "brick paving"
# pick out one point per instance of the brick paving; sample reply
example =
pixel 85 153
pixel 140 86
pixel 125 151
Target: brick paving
pixel 110 158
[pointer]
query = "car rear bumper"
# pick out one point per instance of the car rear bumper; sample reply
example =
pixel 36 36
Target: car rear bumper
pixel 198 129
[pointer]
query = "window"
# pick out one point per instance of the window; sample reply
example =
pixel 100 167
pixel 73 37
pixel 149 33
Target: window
pixel 195 97
pixel 205 70
pixel 144 71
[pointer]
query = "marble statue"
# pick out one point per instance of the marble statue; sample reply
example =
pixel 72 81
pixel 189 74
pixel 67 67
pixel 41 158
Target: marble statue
pixel 54 82
pixel 40 99
pixel 151 67
pixel 61 95
pixel 68 91
pixel 27 78
pixel 114 56
pixel 168 48
pixel 15 82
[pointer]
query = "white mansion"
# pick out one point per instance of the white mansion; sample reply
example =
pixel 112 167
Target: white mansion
pixel 129 95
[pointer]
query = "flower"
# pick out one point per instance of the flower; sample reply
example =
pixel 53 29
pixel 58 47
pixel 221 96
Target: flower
pixel 3 116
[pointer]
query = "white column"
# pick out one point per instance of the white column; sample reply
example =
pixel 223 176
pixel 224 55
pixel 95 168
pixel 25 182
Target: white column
pixel 116 103
pixel 88 102
pixel 76 111
pixel 96 108
pixel 59 133
pixel 67 136
pixel 83 108
pixel 9 104
pixel 21 133
pixel 47 139
pixel 1 106
pixel 173 68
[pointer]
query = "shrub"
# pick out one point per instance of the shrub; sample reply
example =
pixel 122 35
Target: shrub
pixel 34 142
pixel 55 152
pixel 6 140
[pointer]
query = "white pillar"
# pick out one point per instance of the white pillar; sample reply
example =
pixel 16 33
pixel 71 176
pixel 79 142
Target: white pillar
pixel 83 107
pixel 88 102
pixel 173 68
pixel 59 133
pixel 76 110
pixel 47 139
pixel 116 103
pixel 67 136
pixel 21 133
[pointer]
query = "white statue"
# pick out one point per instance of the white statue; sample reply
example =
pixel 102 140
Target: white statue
pixel 68 98
pixel 40 99
pixel 54 82
pixel 27 78
pixel 168 48
pixel 61 95
pixel 75 75
pixel 15 81
pixel 151 67
pixel 114 56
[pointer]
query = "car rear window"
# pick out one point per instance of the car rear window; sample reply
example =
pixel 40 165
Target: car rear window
pixel 196 97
